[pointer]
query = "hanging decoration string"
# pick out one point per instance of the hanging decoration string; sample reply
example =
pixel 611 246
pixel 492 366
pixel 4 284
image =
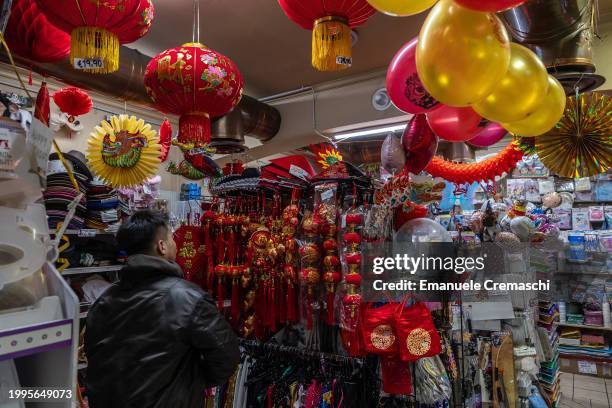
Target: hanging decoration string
pixel 55 146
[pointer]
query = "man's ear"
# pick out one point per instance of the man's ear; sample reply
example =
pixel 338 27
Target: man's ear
pixel 161 247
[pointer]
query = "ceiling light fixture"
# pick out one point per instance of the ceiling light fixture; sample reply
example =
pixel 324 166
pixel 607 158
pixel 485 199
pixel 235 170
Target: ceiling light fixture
pixel 369 132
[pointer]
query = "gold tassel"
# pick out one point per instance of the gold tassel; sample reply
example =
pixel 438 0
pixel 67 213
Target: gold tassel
pixel 331 44
pixel 88 45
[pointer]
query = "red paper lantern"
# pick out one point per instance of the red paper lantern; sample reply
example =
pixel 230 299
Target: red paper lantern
pixel 97 28
pixel 331 22
pixel 30 35
pixel 165 139
pixel 198 84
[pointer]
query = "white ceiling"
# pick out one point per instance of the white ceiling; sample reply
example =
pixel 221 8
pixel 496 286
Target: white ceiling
pixel 271 51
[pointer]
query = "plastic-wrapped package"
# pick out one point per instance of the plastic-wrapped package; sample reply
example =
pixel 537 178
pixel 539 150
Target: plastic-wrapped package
pixel 432 383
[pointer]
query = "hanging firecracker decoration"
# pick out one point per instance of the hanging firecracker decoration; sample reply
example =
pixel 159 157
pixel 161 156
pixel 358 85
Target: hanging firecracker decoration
pixel 290 224
pixel 98 28
pixel 310 256
pixel 580 145
pixel 30 35
pixel 190 251
pixel 42 108
pixel 485 170
pixel 165 139
pixel 198 84
pixel 124 152
pixel 350 324
pixel 331 22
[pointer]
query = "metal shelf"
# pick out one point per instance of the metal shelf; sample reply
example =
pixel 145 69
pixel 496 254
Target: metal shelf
pixel 91 269
pixel 586 326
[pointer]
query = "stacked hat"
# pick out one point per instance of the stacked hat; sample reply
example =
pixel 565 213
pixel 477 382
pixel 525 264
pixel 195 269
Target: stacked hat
pixel 60 192
pixel 102 204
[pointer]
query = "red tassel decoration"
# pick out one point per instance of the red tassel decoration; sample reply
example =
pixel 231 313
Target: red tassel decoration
pixel 220 271
pixel 165 139
pixel 235 307
pixel 219 221
pixel 291 294
pixel 30 77
pixel 42 109
pixel 281 302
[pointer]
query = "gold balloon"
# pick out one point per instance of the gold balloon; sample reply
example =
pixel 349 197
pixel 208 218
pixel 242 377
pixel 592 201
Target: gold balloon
pixel 545 116
pixel 520 91
pixel 462 54
pixel 401 8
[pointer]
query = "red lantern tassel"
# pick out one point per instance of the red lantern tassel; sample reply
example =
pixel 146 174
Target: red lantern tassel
pixel 220 246
pixel 235 308
pixel 231 245
pixel 291 308
pixel 30 77
pixel 280 301
pixel 220 293
pixel 331 320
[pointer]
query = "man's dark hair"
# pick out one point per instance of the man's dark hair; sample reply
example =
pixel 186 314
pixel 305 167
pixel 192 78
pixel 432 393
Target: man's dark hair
pixel 137 234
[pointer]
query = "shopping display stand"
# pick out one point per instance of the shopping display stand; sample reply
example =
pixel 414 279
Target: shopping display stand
pixel 44 353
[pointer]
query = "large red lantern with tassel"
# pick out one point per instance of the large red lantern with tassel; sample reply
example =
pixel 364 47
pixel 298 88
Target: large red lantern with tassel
pixel 30 35
pixel 98 28
pixel 198 84
pixel 331 22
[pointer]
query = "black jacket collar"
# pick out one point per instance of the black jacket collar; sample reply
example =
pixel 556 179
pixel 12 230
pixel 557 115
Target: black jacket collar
pixel 142 267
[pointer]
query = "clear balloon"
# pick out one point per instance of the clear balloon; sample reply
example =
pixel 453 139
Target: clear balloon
pixel 401 8
pixel 545 116
pixel 403 84
pixel 490 6
pixel 454 124
pixel 422 230
pixel 489 133
pixel 420 144
pixel 461 54
pixel 520 91
pixel 392 155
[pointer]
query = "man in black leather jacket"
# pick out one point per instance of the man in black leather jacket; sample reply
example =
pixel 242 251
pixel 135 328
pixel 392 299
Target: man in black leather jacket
pixel 155 340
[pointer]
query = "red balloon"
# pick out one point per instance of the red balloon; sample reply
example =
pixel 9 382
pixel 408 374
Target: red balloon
pixel 490 6
pixel 489 133
pixel 403 84
pixel 454 124
pixel 420 144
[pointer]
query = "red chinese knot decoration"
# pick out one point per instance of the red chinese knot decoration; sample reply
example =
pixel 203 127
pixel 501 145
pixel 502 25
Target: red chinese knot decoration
pixel 98 28
pixel 30 35
pixel 198 84
pixel 331 22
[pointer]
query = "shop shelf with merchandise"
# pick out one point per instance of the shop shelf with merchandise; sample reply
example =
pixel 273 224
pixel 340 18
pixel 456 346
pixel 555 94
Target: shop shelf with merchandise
pixel 587 327
pixel 91 269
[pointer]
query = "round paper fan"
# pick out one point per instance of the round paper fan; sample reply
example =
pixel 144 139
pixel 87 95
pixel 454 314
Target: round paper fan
pixel 124 152
pixel 581 143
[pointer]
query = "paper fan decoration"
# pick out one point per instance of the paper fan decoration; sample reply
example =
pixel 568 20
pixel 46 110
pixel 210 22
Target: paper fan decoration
pixel 485 170
pixel 165 139
pixel 581 143
pixel 124 152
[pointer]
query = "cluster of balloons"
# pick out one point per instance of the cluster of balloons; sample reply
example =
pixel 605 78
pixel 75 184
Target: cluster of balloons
pixel 467 77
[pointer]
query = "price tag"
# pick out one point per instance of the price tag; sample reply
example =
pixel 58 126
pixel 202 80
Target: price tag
pixel 298 172
pixel 88 63
pixel 587 367
pixel 344 61
pixel 327 194
pixel 87 233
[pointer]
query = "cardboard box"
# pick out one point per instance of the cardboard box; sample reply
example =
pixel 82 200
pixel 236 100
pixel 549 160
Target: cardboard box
pixel 580 365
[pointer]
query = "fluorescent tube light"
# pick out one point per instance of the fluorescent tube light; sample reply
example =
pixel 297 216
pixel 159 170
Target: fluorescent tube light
pixel 369 132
